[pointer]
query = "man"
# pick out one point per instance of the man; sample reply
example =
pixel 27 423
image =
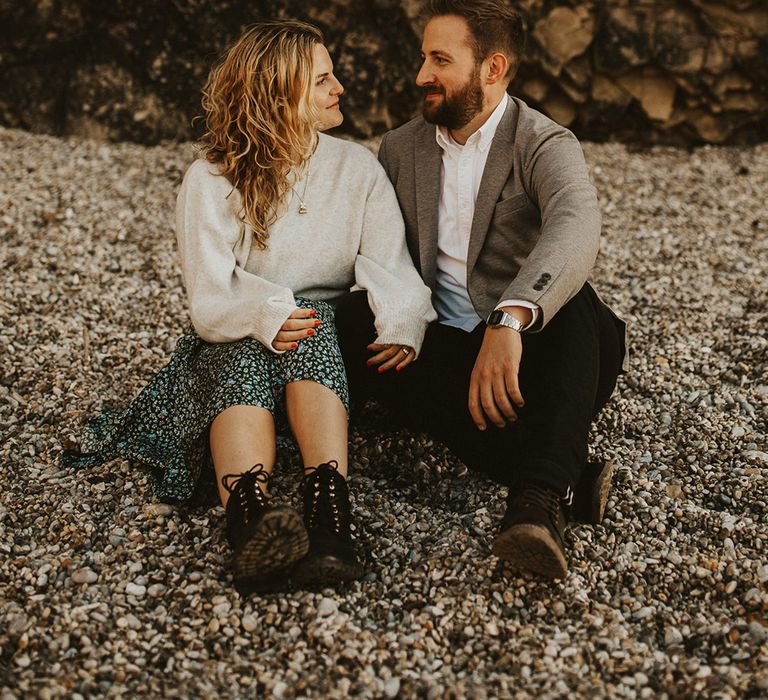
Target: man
pixel 503 223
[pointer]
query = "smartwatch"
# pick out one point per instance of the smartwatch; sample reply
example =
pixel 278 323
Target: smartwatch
pixel 497 318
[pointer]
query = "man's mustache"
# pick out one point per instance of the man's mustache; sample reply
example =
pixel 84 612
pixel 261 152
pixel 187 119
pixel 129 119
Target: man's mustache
pixel 432 90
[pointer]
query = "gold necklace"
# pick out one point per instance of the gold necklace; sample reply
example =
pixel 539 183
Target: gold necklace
pixel 302 207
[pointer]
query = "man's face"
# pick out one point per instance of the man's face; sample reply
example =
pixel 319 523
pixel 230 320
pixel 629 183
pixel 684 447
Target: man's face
pixel 449 76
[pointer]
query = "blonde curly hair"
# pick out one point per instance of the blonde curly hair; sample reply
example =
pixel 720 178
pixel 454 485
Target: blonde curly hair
pixel 261 123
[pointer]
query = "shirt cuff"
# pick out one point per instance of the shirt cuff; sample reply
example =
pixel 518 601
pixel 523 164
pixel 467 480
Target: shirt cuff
pixel 535 310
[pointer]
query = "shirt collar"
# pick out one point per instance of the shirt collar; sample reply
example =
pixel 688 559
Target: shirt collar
pixel 482 138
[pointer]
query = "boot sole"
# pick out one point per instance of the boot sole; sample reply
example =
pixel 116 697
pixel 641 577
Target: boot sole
pixel 325 571
pixel 590 507
pixel 278 543
pixel 531 548
pixel 600 493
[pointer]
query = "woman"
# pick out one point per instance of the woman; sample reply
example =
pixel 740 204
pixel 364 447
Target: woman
pixel 274 223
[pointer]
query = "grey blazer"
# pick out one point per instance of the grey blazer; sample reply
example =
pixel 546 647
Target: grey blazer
pixel 536 230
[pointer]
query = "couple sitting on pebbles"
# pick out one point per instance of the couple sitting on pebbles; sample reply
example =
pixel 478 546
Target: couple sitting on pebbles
pixel 311 272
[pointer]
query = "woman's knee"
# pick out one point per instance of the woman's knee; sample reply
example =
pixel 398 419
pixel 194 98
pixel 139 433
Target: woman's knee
pixel 243 415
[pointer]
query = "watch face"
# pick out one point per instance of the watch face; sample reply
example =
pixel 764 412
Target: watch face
pixel 495 318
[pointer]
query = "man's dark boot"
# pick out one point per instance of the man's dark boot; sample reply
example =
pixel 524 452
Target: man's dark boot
pixel 591 493
pixel 331 558
pixel 266 540
pixel 532 536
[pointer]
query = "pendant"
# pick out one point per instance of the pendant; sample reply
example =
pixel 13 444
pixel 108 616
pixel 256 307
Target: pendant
pixel 302 208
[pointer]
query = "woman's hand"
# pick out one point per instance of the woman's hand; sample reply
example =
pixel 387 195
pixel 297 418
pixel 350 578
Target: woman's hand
pixel 299 325
pixel 388 356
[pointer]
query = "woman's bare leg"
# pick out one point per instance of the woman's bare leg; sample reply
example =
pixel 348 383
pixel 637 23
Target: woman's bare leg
pixel 241 436
pixel 319 423
pixel 318 420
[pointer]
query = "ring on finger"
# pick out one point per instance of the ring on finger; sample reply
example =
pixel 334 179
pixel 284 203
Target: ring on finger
pixel 405 351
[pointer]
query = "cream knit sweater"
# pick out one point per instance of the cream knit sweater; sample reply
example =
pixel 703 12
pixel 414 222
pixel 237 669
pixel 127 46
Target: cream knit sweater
pixel 351 236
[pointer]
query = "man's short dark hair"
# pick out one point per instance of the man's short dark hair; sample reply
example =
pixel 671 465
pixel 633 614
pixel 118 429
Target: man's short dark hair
pixel 494 26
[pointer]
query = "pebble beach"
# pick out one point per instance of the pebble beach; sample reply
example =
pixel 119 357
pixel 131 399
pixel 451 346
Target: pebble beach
pixel 105 592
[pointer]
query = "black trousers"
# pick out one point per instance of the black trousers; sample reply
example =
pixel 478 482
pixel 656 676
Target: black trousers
pixel 567 374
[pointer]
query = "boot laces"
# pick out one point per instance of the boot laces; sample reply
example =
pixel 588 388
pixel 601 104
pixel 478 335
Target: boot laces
pixel 323 502
pixel 536 495
pixel 247 484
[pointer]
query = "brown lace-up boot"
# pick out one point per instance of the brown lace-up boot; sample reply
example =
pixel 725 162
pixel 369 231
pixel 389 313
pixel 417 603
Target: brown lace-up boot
pixel 532 533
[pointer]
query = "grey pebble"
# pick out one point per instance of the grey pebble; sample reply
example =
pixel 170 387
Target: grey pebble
pixel 392 687
pixel 135 589
pixel 756 456
pixel 643 613
pixel 672 635
pixel 326 607
pixel 84 576
pixel 156 590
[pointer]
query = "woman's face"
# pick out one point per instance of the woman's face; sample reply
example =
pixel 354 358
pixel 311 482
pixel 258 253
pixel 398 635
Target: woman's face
pixel 326 90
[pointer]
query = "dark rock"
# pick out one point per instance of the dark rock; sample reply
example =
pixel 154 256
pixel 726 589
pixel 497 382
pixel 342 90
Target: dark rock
pixel 624 37
pixel 679 45
pixel 684 71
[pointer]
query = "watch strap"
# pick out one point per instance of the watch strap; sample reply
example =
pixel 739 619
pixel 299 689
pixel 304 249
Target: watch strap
pixel 498 318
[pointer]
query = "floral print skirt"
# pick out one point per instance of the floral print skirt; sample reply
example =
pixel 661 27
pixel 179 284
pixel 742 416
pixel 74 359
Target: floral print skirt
pixel 165 428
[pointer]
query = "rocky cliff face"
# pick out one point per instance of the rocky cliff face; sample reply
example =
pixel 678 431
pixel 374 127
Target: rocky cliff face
pixel 679 71
pixel 682 71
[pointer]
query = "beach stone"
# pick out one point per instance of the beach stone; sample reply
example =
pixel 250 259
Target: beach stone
pixel 156 590
pixel 135 589
pixel 326 607
pixel 392 687
pixel 672 635
pixel 84 576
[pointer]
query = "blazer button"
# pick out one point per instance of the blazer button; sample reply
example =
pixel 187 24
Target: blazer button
pixel 538 287
pixel 546 277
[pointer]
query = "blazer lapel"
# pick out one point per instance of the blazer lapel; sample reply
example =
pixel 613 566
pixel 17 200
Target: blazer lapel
pixel 427 162
pixel 497 169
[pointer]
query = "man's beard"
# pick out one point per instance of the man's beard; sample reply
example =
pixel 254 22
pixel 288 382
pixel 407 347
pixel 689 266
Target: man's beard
pixel 457 110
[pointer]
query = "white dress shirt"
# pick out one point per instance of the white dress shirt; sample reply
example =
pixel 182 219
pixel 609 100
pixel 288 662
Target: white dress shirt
pixel 460 174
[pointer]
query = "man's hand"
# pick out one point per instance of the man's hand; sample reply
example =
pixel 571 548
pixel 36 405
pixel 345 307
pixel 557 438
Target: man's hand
pixel 388 356
pixel 494 390
pixel 299 325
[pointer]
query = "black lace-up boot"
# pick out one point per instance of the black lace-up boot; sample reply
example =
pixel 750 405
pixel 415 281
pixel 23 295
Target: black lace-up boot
pixel 331 558
pixel 532 536
pixel 266 540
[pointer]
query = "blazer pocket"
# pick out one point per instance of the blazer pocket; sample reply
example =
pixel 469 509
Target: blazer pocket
pixel 510 205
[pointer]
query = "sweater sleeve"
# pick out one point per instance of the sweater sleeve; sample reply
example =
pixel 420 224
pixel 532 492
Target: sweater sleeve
pixel 226 303
pixel 399 299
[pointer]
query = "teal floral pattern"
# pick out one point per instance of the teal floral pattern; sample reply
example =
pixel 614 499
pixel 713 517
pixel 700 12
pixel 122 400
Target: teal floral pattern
pixel 166 427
